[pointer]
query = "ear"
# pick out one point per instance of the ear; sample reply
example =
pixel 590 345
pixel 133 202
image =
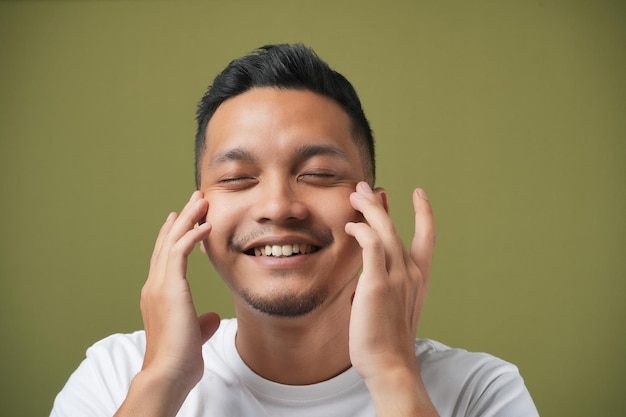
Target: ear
pixel 381 193
pixel 203 246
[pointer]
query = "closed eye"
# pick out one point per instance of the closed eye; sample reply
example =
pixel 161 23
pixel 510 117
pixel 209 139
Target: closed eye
pixel 237 183
pixel 235 179
pixel 318 178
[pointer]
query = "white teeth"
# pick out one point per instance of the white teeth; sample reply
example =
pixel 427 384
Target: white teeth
pixel 282 250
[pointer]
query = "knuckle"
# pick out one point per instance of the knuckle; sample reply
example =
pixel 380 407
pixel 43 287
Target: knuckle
pixel 373 241
pixel 147 293
pixel 178 249
pixel 380 289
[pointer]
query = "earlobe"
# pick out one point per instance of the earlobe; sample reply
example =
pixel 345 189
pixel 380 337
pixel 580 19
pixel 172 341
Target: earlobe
pixel 203 246
pixel 381 193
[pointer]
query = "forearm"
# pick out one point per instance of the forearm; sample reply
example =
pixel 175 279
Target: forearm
pixel 401 393
pixel 153 396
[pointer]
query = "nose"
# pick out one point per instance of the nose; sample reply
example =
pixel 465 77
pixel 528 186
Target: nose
pixel 278 201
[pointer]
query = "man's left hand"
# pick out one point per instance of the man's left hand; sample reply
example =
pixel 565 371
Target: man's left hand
pixel 388 302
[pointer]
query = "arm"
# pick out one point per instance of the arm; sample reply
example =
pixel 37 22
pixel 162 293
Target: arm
pixel 173 362
pixel 388 302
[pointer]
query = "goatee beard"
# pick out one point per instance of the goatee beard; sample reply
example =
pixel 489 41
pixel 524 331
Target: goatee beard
pixel 285 305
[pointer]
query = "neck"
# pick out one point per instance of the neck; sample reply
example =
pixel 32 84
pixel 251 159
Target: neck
pixel 295 351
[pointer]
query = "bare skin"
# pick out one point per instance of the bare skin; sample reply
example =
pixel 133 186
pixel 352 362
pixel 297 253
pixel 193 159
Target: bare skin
pixel 281 195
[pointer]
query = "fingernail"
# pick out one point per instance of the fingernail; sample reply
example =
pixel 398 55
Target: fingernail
pixel 422 194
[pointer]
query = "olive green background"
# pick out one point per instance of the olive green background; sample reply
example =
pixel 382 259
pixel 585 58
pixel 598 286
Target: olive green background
pixel 511 114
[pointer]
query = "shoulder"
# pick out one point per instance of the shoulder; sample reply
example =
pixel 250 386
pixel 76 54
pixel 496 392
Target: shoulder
pixel 126 350
pixel 114 360
pixel 100 383
pixel 438 361
pixel 432 353
pixel 120 347
pixel 479 382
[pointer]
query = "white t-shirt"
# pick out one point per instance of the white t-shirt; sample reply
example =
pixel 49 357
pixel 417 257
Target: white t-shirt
pixel 459 383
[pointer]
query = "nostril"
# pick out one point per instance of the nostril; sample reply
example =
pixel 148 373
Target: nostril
pixel 280 210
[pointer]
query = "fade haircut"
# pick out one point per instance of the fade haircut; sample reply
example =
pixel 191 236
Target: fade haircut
pixel 286 66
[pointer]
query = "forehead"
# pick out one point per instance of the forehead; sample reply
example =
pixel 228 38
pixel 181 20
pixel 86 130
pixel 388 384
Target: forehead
pixel 278 120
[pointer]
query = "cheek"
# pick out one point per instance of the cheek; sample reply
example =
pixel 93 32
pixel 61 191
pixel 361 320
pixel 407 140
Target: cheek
pixel 336 216
pixel 348 213
pixel 339 198
pixel 222 209
pixel 223 218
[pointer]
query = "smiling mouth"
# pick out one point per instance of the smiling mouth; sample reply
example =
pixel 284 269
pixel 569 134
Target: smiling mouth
pixel 283 251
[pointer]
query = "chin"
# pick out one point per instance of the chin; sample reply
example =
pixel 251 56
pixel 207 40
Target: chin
pixel 285 304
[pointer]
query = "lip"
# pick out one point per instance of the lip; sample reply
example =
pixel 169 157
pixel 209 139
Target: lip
pixel 283 263
pixel 282 240
pixel 289 262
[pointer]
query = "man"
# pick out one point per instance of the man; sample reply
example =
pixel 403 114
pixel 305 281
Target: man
pixel 327 298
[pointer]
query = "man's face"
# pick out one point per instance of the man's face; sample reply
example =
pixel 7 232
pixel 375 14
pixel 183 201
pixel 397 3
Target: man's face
pixel 277 171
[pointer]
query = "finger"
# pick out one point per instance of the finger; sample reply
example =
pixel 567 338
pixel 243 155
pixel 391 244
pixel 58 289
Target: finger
pixel 195 209
pixel 377 217
pixel 186 243
pixel 423 245
pixel 178 253
pixel 165 228
pixel 374 259
pixel 175 227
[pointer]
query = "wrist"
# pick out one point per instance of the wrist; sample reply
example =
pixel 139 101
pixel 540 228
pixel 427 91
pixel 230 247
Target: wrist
pixel 151 394
pixel 400 392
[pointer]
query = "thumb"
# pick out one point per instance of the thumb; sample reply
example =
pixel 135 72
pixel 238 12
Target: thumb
pixel 209 323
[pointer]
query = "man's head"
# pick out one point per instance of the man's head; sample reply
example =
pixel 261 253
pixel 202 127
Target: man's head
pixel 286 67
pixel 282 143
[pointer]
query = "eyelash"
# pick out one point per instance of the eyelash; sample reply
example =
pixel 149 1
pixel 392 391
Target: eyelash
pixel 307 174
pixel 318 178
pixel 318 175
pixel 311 178
pixel 235 179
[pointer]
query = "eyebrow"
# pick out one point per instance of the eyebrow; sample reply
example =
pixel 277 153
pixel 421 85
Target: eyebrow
pixel 309 151
pixel 304 152
pixel 236 154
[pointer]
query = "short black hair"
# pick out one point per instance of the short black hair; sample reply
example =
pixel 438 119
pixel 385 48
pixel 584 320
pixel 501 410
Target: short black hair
pixel 286 66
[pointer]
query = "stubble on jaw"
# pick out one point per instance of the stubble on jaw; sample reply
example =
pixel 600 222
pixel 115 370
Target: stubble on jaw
pixel 283 304
pixel 286 305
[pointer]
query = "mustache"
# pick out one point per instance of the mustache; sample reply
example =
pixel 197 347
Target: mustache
pixel 238 241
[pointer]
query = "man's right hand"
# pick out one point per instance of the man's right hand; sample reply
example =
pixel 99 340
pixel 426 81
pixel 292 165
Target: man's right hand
pixel 173 362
